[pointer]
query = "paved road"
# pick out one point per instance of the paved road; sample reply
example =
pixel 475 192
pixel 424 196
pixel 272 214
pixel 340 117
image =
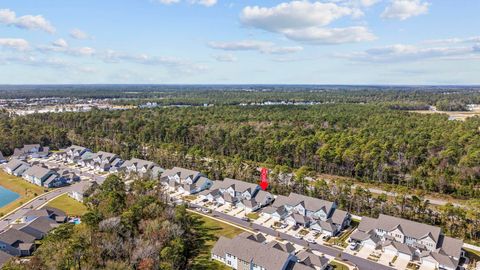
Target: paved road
pixel 38 201
pixel 362 264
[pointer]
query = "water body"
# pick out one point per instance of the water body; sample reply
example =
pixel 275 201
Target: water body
pixel 7 196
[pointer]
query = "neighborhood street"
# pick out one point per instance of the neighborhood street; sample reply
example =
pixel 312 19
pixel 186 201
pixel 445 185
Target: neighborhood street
pixel 36 202
pixel 362 264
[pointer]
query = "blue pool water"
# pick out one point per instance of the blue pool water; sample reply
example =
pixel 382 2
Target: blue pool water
pixel 7 196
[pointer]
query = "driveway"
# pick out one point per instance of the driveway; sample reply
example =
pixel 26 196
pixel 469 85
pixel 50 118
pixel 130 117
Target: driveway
pixel 364 252
pixel 386 258
pixel 424 266
pixel 401 263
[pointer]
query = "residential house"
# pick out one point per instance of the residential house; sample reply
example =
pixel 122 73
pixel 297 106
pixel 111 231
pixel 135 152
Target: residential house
pixel 52 213
pixel 4 258
pixel 31 150
pixel 17 243
pixel 41 176
pixel 74 153
pixel 142 168
pixel 311 260
pixel 180 179
pixel 410 239
pixel 38 227
pixel 79 191
pixel 68 176
pixel 201 184
pixel 244 253
pixel 335 224
pixel 16 167
pixel 103 161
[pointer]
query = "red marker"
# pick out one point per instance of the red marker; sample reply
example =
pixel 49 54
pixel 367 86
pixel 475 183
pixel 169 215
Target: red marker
pixel 264 180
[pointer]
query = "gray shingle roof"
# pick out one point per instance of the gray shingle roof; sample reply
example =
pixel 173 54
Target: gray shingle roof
pixel 42 224
pixel 4 257
pixel 14 164
pixel 339 216
pixel 37 171
pixel 182 172
pixel 409 228
pixel 252 251
pixel 239 186
pixel 451 246
pixel 311 204
pixel 311 259
pixel 11 236
pixel 286 247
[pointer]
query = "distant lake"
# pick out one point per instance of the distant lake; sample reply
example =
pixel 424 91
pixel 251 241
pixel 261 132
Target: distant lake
pixel 7 196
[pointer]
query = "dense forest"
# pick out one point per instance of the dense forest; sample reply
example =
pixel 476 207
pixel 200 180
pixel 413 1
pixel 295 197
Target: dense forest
pixel 366 142
pixel 447 98
pixel 123 230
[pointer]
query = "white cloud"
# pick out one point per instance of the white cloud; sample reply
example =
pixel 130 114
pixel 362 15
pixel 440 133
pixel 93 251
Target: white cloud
pixel 293 15
pixel 171 63
pixel 475 39
pixel 402 53
pixel 318 35
pixel 254 45
pixel 79 34
pixel 60 43
pixel 207 3
pixel 225 58
pixel 14 43
pixel 30 22
pixel 307 21
pixel 404 9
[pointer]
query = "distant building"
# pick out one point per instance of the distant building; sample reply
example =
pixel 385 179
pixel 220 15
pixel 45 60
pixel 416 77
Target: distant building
pixel 16 167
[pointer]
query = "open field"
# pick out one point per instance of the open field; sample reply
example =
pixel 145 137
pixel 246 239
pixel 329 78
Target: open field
pixel 69 205
pixel 26 191
pixel 462 116
pixel 217 229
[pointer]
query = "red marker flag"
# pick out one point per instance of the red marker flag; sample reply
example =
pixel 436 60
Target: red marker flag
pixel 264 179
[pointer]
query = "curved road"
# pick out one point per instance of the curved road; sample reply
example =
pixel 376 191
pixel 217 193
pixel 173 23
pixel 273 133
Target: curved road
pixel 32 204
pixel 362 264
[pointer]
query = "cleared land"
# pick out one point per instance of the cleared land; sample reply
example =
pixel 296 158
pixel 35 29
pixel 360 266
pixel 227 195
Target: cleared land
pixel 26 191
pixel 217 229
pixel 69 205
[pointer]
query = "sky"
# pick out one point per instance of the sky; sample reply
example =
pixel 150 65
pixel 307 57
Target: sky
pixel 240 42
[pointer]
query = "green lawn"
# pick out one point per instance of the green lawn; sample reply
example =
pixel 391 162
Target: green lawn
pixel 69 205
pixel 26 191
pixel 217 228
pixel 253 215
pixel 338 266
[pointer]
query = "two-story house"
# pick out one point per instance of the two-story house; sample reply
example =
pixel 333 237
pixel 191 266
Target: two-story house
pixel 142 168
pixel 409 239
pixel 39 176
pixel 16 167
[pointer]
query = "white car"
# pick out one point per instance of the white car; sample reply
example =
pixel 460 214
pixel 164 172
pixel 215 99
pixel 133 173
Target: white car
pixel 310 240
pixel 298 236
pixel 353 246
pixel 206 211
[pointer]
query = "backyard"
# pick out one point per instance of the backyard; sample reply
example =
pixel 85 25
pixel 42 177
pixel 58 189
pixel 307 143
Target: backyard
pixel 70 206
pixel 217 229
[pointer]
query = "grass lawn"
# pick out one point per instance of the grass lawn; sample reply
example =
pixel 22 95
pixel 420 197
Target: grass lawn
pixel 338 266
pixel 217 228
pixel 68 205
pixel 26 191
pixel 253 215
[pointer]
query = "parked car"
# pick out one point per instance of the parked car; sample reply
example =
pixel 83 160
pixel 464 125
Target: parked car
pixel 298 236
pixel 206 211
pixel 310 240
pixel 326 237
pixel 295 227
pixel 245 219
pixel 353 246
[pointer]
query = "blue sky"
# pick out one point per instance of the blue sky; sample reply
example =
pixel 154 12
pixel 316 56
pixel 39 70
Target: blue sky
pixel 233 41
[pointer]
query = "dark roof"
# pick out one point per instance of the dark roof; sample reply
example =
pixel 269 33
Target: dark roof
pixel 409 228
pixel 12 236
pixel 42 224
pixel 286 247
pixel 311 259
pixel 4 257
pixel 339 216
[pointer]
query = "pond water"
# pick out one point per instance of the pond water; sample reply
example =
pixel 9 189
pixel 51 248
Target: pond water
pixel 7 196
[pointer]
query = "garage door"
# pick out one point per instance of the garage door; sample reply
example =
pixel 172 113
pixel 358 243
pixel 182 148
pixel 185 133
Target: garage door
pixel 429 264
pixel 369 244
pixel 391 251
pixel 404 256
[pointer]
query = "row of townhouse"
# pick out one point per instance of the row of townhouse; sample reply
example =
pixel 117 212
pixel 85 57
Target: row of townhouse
pixel 38 175
pixel 31 151
pixel 316 214
pixel 236 193
pixel 19 239
pixel 184 180
pixel 410 240
pixel 107 162
pixel 252 252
